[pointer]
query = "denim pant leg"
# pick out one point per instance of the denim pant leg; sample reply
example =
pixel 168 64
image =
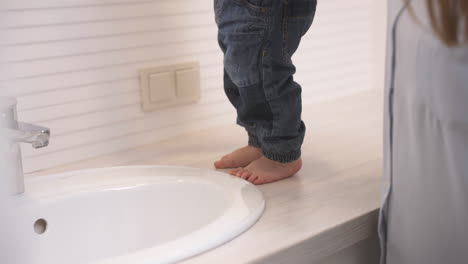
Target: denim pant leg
pixel 241 36
pixel 258 38
pixel 292 20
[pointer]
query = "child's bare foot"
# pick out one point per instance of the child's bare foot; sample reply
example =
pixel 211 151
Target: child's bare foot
pixel 239 158
pixel 264 171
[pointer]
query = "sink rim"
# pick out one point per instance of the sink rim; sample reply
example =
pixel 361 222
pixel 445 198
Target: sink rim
pixel 234 221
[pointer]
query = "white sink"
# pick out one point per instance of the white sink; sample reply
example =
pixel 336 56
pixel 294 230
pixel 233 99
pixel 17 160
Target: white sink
pixel 137 215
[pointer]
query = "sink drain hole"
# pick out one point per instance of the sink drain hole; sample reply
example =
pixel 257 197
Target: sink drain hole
pixel 40 226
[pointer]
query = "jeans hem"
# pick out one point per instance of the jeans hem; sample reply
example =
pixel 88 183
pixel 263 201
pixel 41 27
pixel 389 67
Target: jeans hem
pixel 283 157
pixel 254 142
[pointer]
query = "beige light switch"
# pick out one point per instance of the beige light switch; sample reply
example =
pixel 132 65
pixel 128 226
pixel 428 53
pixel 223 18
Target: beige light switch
pixel 169 85
pixel 188 83
pixel 162 87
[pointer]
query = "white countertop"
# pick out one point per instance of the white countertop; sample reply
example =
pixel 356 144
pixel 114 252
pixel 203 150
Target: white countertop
pixel 330 205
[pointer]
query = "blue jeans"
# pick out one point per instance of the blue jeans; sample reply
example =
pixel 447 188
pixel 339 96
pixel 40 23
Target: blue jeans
pixel 258 39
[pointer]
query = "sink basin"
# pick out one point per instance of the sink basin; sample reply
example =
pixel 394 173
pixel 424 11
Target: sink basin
pixel 137 215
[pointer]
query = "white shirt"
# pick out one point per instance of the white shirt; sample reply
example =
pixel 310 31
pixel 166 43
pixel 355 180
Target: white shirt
pixel 424 216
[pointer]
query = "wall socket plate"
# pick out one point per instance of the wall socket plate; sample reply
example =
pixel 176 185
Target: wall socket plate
pixel 170 85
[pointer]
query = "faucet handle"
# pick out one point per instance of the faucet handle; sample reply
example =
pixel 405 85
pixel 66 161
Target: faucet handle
pixel 36 135
pixel 17 131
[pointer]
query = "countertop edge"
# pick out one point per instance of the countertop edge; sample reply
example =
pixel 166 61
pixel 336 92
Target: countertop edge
pixel 327 243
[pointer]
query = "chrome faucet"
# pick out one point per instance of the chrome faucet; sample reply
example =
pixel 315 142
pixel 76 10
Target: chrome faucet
pixel 12 133
pixel 27 133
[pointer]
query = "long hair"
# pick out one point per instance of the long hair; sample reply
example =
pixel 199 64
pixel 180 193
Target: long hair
pixel 449 20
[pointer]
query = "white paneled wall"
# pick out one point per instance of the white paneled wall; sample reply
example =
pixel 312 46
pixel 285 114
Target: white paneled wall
pixel 380 25
pixel 73 65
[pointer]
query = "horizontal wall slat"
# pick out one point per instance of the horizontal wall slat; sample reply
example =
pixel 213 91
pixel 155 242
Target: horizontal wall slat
pixel 64 103
pixel 135 125
pixel 313 86
pixel 73 48
pixel 13 5
pixel 94 105
pixel 94 76
pixel 102 29
pixel 31 102
pixel 19 5
pixel 21 53
pixel 145 26
pixel 88 14
pixel 119 144
pixel 126 57
pixel 72 32
pixel 110 59
pixel 134 9
pixel 66 96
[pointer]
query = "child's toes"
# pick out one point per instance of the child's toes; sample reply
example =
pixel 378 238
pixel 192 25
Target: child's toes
pixel 246 174
pixel 234 171
pixel 259 181
pixel 218 164
pixel 240 172
pixel 252 178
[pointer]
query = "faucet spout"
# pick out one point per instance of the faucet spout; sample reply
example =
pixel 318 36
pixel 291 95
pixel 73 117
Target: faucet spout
pixel 27 133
